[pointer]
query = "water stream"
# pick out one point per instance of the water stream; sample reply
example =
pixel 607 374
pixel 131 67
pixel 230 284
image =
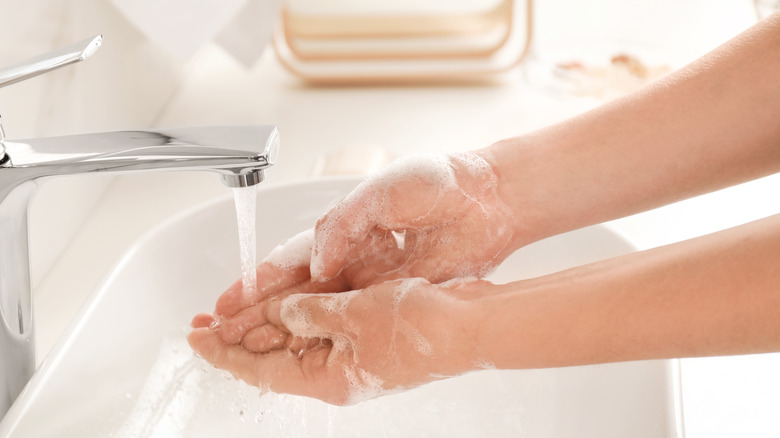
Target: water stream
pixel 246 207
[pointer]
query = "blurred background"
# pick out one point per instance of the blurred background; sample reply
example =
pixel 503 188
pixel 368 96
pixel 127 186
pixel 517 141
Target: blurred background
pixel 376 78
pixel 351 84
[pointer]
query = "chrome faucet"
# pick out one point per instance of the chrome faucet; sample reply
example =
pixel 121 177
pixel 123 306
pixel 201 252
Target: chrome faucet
pixel 240 154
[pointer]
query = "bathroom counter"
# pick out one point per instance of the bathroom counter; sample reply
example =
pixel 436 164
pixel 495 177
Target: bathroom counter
pixel 723 397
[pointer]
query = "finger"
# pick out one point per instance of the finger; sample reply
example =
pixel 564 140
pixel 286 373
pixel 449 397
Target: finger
pixel 312 375
pixel 312 315
pixel 348 221
pixel 264 339
pixel 202 320
pixel 329 257
pixel 285 266
pixel 270 280
pixel 232 329
pixel 233 358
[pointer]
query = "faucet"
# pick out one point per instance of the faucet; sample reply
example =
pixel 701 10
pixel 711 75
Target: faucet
pixel 239 153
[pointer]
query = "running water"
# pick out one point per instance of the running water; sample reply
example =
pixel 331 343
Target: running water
pixel 246 206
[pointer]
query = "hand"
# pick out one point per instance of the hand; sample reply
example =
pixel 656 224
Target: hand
pixel 432 216
pixel 390 336
pixel 444 209
pixel 239 316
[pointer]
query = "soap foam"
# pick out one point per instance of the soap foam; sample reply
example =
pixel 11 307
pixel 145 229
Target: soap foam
pixel 485 365
pixel 299 322
pixel 418 341
pixel 435 168
pixel 337 303
pixel 458 282
pixel 294 253
pixel 362 385
pixel 476 166
pixel 296 319
pixel 405 286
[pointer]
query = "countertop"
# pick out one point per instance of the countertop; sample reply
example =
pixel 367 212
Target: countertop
pixel 730 396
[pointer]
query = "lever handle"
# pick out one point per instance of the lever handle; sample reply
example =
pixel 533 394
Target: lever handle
pixel 49 61
pixel 42 64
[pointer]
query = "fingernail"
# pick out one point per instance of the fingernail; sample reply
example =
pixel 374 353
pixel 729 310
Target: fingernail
pixel 202 320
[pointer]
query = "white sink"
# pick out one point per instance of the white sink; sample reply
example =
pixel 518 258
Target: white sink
pixel 123 369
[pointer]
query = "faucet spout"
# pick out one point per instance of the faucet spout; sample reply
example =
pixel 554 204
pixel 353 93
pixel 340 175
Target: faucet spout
pixel 239 153
pixel 233 151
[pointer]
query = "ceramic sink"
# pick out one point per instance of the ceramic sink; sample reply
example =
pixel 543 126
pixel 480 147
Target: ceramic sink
pixel 124 369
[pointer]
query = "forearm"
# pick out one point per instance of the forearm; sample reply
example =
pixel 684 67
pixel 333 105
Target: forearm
pixel 714 295
pixel 708 126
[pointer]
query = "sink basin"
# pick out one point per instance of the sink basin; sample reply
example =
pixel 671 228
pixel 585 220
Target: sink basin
pixel 124 369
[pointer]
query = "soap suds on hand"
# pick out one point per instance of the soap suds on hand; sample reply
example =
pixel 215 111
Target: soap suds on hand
pixel 456 192
pixel 294 253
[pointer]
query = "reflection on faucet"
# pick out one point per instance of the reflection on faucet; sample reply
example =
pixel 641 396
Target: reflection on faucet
pixel 240 154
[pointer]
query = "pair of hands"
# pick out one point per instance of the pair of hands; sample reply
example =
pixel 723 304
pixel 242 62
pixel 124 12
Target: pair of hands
pixel 693 132
pixel 356 306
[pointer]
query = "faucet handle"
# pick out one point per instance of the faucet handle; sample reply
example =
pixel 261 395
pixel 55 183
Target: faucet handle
pixel 49 61
pixel 42 64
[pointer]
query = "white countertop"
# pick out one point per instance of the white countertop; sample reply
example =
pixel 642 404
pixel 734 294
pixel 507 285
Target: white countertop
pixel 735 396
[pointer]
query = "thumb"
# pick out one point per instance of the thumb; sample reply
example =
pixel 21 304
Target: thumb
pixel 319 315
pixel 347 222
pixel 329 255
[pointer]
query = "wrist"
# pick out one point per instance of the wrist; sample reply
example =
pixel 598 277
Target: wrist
pixel 518 326
pixel 522 185
pixel 467 327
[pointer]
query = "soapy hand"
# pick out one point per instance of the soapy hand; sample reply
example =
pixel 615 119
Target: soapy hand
pixel 444 209
pixel 239 317
pixel 387 337
pixel 431 216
